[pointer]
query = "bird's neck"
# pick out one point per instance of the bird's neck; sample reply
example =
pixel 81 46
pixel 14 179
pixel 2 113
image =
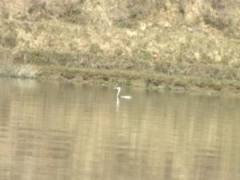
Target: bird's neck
pixel 118 92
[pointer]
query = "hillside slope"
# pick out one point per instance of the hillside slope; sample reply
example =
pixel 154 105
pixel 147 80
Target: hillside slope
pixel 181 39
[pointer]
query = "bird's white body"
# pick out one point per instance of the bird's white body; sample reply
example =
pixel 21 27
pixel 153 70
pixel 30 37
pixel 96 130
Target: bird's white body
pixel 118 94
pixel 126 97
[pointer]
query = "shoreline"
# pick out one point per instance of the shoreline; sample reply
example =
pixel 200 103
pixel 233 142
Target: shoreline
pixel 141 79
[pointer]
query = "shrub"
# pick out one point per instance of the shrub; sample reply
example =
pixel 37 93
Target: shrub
pixel 8 39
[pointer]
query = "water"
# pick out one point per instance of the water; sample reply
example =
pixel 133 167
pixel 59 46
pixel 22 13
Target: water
pixel 59 131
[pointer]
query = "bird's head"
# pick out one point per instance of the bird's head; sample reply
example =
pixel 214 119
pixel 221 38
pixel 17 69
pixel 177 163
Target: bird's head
pixel 117 88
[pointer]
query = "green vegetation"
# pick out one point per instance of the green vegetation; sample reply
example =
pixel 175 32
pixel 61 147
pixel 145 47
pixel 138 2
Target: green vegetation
pixel 157 44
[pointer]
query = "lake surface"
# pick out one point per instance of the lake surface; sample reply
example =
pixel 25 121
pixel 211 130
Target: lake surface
pixel 52 131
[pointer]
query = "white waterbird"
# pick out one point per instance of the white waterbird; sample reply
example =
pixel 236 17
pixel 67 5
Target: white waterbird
pixel 118 94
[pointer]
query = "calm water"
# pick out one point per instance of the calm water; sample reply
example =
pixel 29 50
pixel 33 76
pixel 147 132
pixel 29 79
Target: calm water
pixel 51 131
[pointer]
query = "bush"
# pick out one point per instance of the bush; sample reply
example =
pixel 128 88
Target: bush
pixel 223 15
pixel 8 39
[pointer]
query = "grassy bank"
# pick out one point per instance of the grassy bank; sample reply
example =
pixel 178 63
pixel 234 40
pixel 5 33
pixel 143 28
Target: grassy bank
pixel 149 80
pixel 168 45
pixel 111 77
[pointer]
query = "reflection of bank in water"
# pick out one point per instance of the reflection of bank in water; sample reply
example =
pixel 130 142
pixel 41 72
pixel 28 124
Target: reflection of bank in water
pixel 39 152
